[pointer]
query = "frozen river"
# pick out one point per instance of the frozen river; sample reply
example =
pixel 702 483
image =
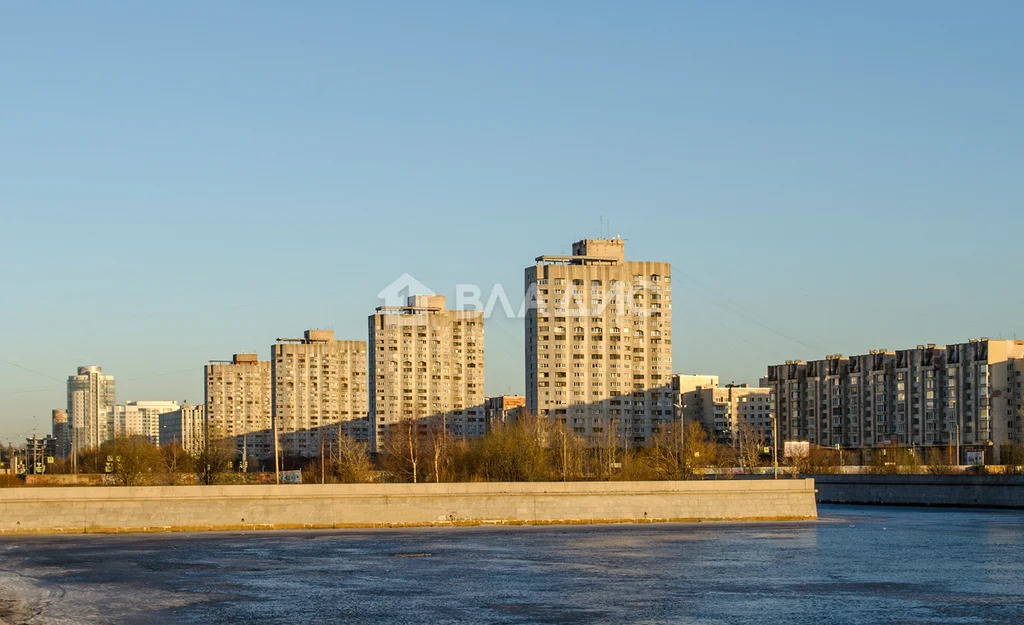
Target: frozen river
pixel 855 566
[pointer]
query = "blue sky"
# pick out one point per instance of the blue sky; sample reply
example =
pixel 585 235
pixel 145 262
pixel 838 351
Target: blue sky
pixel 179 182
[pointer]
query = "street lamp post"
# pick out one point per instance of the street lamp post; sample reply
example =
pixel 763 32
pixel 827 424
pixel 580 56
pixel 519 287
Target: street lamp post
pixel 682 432
pixel 775 446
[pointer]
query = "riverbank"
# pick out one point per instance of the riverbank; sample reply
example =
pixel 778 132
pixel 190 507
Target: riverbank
pixel 313 506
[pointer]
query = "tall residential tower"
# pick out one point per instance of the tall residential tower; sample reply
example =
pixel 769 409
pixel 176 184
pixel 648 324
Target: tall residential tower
pixel 599 342
pixel 427 365
pixel 319 390
pixel 90 407
pixel 238 404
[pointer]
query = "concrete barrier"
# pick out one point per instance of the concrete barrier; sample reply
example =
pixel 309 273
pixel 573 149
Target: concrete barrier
pixel 252 507
pixel 985 491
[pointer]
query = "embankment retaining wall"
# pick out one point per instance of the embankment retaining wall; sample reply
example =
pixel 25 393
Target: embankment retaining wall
pixel 987 491
pixel 196 508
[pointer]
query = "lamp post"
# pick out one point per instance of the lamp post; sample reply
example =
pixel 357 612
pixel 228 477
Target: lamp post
pixel 775 446
pixel 682 431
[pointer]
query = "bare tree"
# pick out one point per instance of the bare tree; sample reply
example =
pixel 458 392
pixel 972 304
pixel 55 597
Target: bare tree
pixel 751 445
pixel 514 452
pixel 175 461
pixel 214 460
pixel 568 452
pixel 134 460
pixel 404 453
pixel 353 463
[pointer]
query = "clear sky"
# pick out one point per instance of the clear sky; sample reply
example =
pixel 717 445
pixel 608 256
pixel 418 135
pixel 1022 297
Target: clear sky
pixel 182 181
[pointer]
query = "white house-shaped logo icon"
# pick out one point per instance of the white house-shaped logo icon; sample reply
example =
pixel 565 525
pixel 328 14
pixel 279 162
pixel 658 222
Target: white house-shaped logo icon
pixel 397 293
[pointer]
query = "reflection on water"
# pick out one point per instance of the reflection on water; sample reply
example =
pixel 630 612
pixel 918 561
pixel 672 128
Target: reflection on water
pixel 855 566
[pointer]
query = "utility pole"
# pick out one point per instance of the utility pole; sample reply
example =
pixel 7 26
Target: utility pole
pixel 322 480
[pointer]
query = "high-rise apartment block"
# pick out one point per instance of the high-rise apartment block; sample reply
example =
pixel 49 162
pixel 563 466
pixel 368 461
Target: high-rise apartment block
pixel 91 407
pixel 186 426
pixel 965 396
pixel 427 365
pixel 599 342
pixel 238 404
pixel 319 385
pixel 61 432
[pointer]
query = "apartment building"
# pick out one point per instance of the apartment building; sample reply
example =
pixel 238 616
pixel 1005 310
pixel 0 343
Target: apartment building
pixel 91 407
pixel 237 403
pixel 599 342
pixel 61 432
pixel 724 411
pixel 503 409
pixel 319 385
pixel 427 365
pixel 186 426
pixel 965 396
pixel 141 418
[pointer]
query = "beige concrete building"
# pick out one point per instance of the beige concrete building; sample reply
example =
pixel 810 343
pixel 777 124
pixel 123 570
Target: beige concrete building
pixel 319 385
pixel 186 425
pixel 91 407
pixel 428 365
pixel 965 396
pixel 61 432
pixel 237 403
pixel 503 409
pixel 599 342
pixel 723 410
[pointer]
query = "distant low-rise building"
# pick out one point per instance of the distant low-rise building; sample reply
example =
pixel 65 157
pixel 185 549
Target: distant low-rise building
pixel 504 409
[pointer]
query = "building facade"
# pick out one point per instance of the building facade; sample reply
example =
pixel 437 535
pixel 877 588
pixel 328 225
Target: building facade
pixel 965 396
pixel 237 403
pixel 427 365
pixel 503 409
pixel 725 412
pixel 319 385
pixel 141 418
pixel 599 342
pixel 186 425
pixel 61 432
pixel 91 407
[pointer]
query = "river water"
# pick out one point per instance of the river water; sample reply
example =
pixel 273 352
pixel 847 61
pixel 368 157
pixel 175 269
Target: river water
pixel 854 566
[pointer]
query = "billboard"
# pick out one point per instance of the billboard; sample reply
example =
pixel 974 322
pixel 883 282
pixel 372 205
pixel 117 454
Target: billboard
pixel 796 449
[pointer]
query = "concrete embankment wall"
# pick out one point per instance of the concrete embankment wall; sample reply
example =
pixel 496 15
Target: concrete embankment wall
pixel 195 508
pixel 985 491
